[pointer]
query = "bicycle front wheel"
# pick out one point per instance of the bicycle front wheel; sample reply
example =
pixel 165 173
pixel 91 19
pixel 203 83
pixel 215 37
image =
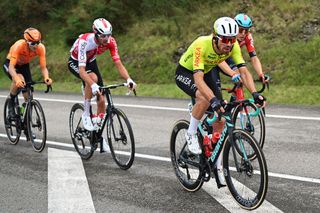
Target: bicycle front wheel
pixel 247 179
pixel 186 165
pixel 36 123
pixel 11 124
pixel 245 118
pixel 120 139
pixel 80 136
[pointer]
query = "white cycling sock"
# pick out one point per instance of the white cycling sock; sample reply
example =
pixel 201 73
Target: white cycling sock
pixel 193 125
pixel 219 161
pixel 87 104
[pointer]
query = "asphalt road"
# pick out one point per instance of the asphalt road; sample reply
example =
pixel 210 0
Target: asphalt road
pixel 292 151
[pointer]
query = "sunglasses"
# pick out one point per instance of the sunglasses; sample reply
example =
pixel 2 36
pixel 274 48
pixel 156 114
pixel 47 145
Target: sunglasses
pixel 33 43
pixel 245 30
pixel 104 35
pixel 226 40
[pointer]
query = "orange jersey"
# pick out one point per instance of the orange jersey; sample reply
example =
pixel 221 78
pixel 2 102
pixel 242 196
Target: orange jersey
pixel 20 53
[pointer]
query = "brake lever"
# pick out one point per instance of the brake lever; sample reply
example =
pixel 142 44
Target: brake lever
pixel 49 88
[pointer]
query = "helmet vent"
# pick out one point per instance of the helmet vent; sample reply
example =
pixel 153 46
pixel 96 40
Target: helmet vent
pixel 224 30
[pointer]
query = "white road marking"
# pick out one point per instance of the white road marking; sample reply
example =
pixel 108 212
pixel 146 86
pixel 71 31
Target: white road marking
pixel 68 189
pixel 223 196
pixel 165 159
pixel 170 108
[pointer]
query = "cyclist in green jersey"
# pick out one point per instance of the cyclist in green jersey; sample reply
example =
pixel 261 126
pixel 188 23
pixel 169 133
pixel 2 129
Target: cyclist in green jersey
pixel 195 77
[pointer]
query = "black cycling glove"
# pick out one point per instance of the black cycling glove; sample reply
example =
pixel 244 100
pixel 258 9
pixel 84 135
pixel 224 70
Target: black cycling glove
pixel 215 103
pixel 256 98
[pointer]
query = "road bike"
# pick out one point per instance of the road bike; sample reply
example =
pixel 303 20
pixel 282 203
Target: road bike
pixel 244 164
pixel 117 128
pixel 247 115
pixel 28 117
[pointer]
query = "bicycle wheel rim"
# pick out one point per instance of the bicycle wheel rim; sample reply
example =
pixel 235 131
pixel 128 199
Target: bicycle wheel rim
pixel 120 138
pixel 255 125
pixel 189 175
pixel 81 138
pixel 37 129
pixel 248 187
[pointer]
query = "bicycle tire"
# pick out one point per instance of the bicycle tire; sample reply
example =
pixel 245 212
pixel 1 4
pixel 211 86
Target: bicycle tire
pixel 243 118
pixel 190 176
pixel 252 179
pixel 81 138
pixel 120 138
pixel 36 126
pixel 12 125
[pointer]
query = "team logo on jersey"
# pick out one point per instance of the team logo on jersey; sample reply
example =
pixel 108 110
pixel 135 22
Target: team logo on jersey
pixel 197 56
pixel 82 51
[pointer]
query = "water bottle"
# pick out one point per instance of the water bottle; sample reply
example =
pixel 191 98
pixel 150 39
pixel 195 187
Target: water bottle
pixel 207 145
pixel 100 118
pixel 214 139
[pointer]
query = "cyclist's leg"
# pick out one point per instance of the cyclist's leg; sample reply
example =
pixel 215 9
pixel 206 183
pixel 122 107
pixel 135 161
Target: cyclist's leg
pixel 74 69
pixel 213 81
pixel 24 70
pixel 96 76
pixel 185 81
pixel 13 89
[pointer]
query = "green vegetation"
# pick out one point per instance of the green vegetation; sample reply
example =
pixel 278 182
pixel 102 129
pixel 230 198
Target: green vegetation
pixel 151 36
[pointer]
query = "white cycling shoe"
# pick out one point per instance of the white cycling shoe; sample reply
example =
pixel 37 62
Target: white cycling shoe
pixel 87 123
pixel 193 144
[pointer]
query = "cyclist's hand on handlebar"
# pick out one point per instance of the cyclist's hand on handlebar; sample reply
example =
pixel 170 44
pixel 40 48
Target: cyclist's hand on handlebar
pixel 48 81
pixel 19 82
pixel 95 89
pixel 236 77
pixel 131 84
pixel 263 78
pixel 259 100
pixel 215 104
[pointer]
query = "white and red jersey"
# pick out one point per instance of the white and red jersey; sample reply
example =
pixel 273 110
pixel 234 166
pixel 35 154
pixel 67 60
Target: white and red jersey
pixel 85 49
pixel 248 41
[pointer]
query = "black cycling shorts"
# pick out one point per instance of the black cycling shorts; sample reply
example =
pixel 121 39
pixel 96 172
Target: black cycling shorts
pixel 24 70
pixel 91 67
pixel 185 81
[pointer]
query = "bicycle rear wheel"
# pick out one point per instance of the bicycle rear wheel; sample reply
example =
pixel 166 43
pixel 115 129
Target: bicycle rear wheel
pixel 186 165
pixel 120 139
pixel 80 136
pixel 245 118
pixel 36 123
pixel 248 185
pixel 11 124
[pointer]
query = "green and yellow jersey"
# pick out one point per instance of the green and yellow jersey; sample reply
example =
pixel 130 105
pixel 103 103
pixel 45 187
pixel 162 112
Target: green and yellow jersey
pixel 200 55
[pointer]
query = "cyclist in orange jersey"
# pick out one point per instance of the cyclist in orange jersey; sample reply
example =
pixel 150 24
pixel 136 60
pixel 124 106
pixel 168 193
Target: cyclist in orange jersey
pixel 17 66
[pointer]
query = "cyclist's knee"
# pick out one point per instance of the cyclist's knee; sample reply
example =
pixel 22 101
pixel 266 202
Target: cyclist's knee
pixel 93 77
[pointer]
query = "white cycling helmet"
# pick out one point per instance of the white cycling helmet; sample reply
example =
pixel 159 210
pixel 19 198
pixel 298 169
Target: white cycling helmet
pixel 102 26
pixel 225 26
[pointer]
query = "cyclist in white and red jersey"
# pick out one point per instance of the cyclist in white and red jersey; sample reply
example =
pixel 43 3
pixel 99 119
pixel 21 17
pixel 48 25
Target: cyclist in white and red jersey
pixel 245 39
pixel 82 63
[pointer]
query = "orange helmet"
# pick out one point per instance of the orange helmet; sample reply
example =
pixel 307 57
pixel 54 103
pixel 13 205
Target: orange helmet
pixel 32 35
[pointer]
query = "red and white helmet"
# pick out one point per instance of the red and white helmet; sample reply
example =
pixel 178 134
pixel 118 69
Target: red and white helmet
pixel 102 26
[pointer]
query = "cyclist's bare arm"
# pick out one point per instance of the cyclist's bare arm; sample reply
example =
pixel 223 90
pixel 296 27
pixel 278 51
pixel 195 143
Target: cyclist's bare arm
pixel 85 76
pixel 122 70
pixel 255 61
pixel 247 79
pixel 226 68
